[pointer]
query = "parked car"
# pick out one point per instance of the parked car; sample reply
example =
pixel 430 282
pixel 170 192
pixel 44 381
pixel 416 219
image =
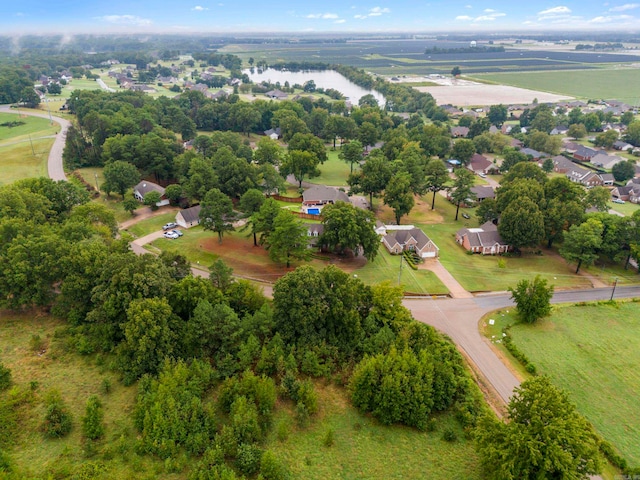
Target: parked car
pixel 482 175
pixel 466 215
pixel 177 232
pixel 169 226
pixel 618 200
pixel 171 235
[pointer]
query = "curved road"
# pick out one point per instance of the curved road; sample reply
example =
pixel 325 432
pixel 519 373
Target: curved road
pixel 54 165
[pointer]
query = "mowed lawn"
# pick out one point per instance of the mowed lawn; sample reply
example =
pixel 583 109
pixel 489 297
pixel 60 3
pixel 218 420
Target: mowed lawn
pixel 18 161
pixel 334 171
pixel 618 84
pixel 593 352
pixel 363 449
pixel 34 126
pixel 487 273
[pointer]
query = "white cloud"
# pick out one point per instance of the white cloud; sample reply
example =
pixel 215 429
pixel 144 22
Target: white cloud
pixel 465 18
pixel 198 8
pixel 374 12
pixel 342 20
pixel 324 16
pixel 489 10
pixel 625 7
pixel 488 18
pixel 555 11
pixel 610 18
pixel 132 20
pixel 468 6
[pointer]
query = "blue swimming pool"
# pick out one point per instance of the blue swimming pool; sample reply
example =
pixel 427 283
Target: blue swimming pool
pixel 313 211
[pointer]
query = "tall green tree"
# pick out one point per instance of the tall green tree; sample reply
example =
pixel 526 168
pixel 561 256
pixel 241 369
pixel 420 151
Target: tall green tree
pixel 463 150
pixel 398 195
pixel 497 114
pixel 119 176
pixel 462 188
pixel 93 420
pixel 436 177
pixel 545 437
pixel 522 224
pixel 268 151
pixel 581 243
pixel 349 227
pixel 216 213
pixel 351 153
pixel 288 240
pixel 300 164
pixel 373 177
pixel 533 299
pixel 623 171
pixel 148 338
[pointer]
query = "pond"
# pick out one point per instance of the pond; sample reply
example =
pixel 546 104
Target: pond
pixel 322 78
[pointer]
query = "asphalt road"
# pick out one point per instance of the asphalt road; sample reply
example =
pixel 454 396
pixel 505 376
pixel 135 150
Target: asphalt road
pixel 54 165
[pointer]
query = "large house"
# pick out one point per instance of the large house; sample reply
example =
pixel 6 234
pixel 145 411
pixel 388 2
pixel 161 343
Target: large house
pixel 606 161
pixel 189 217
pixel 585 154
pixel 589 178
pixel 484 239
pixel 479 164
pixel 562 164
pixel 482 192
pixel 276 95
pixel 144 187
pixel 412 239
pixel 314 198
pixel 629 193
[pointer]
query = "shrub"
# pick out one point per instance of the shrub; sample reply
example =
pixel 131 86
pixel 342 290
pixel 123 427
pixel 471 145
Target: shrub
pixel 273 469
pixel 57 420
pixel 302 415
pixel 248 459
pixel 328 440
pixel 282 431
pixel 449 435
pixel 92 422
pixel 105 386
pixel 5 377
pixel 36 344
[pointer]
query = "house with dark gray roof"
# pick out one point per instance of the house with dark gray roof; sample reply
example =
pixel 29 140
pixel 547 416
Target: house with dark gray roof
pixel 605 161
pixel 189 217
pixel 318 196
pixel 479 164
pixel 562 164
pixel 484 239
pixel 413 240
pixel 276 95
pixel 533 154
pixel 585 154
pixel 144 187
pixel 482 192
pixel 459 132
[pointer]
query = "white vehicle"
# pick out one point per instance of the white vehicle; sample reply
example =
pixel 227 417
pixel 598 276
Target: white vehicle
pixel 482 175
pixel 171 235
pixel 177 232
pixel 169 226
pixel 617 200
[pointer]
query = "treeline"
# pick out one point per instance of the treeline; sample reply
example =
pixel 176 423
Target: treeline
pixel 14 84
pixel 436 51
pixel 188 340
pixel 599 46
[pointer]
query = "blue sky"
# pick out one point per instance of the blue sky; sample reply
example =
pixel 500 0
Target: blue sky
pixel 180 16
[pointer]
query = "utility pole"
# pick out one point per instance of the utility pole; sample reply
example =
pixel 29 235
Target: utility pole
pixel 33 152
pixel 96 177
pixel 615 284
pixel 400 273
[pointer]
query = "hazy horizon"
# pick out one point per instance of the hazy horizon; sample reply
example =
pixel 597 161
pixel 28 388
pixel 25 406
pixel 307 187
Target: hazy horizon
pixel 287 17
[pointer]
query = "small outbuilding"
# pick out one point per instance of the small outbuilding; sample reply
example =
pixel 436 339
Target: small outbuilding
pixel 189 217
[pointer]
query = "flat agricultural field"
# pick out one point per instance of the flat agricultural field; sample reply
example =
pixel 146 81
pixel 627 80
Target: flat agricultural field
pixel 619 84
pixel 592 352
pixel 483 94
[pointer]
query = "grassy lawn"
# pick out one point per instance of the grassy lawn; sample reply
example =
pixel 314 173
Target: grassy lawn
pixel 334 171
pixel 18 161
pixel 626 209
pixel 34 126
pixel 486 273
pixel 622 85
pixel 386 267
pixel 153 224
pixel 592 352
pixel 365 449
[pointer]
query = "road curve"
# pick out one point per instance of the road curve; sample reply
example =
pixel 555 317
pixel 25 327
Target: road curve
pixel 55 165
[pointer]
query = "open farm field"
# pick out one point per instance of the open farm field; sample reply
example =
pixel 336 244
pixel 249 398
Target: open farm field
pixel 592 352
pixel 619 84
pixel 483 94
pixel 407 56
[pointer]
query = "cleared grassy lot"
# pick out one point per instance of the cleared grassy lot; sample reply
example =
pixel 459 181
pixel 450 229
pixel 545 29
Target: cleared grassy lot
pixel 620 84
pixel 334 171
pixel 592 352
pixel 364 449
pixel 18 161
